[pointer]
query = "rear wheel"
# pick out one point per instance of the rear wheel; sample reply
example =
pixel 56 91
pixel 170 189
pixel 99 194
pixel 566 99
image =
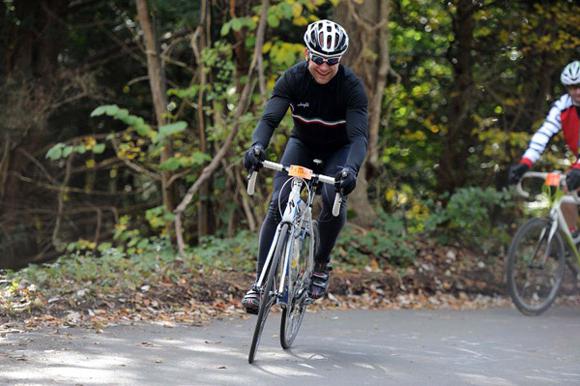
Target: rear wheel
pixel 535 266
pixel 268 294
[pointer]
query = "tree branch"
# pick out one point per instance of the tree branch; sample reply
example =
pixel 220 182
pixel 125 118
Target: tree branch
pixel 244 99
pixel 61 196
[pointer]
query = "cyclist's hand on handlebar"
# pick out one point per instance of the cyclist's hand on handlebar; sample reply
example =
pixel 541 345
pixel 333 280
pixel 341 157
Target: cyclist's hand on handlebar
pixel 573 179
pixel 516 173
pixel 254 157
pixel 345 180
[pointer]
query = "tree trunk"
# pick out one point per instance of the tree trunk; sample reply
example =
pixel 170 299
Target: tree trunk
pixel 158 86
pixel 452 173
pixel 367 25
pixel 203 207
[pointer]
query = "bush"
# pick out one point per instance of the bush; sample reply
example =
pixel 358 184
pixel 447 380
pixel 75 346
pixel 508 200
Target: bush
pixel 471 218
pixel 385 244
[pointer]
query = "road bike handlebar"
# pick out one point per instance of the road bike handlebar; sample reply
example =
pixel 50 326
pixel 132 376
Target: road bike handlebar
pixel 279 167
pixel 544 176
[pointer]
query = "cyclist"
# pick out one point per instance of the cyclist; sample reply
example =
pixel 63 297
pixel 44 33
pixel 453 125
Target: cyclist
pixel 329 108
pixel 562 116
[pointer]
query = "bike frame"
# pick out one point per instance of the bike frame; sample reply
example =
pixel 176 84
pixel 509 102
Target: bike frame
pixel 557 198
pixel 294 216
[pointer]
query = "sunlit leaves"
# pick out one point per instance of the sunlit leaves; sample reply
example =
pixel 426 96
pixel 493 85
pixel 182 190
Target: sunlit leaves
pixel 158 217
pixel 495 141
pixel 237 24
pixel 560 34
pixel 285 54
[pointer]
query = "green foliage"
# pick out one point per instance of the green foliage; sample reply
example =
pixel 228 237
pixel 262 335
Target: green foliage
pixel 237 253
pixel 171 129
pixel 89 272
pixel 283 54
pixel 61 150
pixel 124 116
pixel 386 244
pixel 236 24
pixel 138 123
pixel 469 218
pixel 187 93
pixel 111 271
pixel 508 95
pixel 159 217
pixel 130 239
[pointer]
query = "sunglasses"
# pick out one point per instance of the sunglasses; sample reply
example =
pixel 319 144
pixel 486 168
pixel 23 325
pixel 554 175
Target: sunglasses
pixel 319 60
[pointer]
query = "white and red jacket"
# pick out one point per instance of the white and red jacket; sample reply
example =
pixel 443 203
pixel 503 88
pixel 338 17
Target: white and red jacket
pixel 562 116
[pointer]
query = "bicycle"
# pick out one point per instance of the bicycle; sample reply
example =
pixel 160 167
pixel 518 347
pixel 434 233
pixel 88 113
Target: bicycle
pixel 286 275
pixel 540 250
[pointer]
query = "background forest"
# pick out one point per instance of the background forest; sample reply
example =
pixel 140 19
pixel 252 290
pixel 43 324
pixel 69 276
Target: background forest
pixel 123 123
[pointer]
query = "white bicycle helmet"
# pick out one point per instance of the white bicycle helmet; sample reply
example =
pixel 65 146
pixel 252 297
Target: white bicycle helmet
pixel 571 74
pixel 327 38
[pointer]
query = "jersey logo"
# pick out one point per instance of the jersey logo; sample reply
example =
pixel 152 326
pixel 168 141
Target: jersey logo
pixel 303 104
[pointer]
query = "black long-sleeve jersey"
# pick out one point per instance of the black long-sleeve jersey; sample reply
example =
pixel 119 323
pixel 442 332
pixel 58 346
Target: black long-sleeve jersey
pixel 326 117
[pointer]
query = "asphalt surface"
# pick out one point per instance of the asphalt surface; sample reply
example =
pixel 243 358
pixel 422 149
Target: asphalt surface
pixel 485 347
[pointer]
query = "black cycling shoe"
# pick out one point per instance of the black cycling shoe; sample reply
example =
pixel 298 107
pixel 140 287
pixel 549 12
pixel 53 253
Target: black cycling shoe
pixel 319 282
pixel 251 301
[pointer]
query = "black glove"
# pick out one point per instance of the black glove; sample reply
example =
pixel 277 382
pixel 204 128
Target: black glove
pixel 345 180
pixel 516 172
pixel 573 179
pixel 254 157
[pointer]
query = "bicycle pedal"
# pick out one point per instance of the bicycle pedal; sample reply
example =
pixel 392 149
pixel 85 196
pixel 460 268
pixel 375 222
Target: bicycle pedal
pixel 308 301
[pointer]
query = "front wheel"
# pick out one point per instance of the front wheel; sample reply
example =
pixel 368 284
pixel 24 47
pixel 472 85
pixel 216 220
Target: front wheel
pixel 535 266
pixel 293 312
pixel 268 295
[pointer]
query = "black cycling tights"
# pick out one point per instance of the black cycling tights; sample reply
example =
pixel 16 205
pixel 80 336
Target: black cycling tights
pixel 329 226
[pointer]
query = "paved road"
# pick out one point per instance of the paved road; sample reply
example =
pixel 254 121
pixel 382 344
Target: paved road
pixel 485 347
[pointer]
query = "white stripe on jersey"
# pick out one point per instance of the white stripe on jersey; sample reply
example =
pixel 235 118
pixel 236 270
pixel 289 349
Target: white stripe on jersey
pixel 551 126
pixel 317 120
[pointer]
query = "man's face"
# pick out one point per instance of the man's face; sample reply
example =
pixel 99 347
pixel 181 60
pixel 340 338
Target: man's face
pixel 574 91
pixel 324 72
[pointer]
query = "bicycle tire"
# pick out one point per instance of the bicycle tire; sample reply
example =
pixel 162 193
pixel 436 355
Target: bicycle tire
pixel 293 313
pixel 268 296
pixel 535 267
